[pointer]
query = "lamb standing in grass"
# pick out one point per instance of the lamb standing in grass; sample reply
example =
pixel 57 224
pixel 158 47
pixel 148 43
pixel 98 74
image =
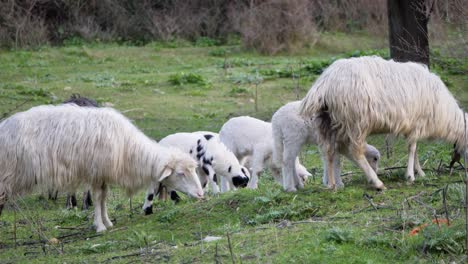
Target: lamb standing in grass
pixel 63 147
pixel 290 133
pixel 356 97
pixel 250 137
pixel 215 162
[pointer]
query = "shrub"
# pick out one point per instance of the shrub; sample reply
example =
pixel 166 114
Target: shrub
pixel 182 78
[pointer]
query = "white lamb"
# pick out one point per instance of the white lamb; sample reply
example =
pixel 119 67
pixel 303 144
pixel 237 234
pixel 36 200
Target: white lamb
pixel 250 137
pixel 356 97
pixel 215 161
pixel 290 133
pixel 63 147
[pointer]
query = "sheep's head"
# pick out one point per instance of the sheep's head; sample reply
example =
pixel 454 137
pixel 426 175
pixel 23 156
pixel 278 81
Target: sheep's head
pixel 227 165
pixel 180 174
pixel 373 156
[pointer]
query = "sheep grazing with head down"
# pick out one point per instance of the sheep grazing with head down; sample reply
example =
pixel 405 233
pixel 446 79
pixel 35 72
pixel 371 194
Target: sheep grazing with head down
pixel 290 133
pixel 63 147
pixel 360 96
pixel 215 162
pixel 251 138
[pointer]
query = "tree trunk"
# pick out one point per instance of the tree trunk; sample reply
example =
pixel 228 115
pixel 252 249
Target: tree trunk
pixel 407 20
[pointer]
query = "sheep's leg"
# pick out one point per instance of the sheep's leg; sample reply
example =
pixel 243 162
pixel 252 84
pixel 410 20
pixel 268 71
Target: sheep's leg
pixel 211 179
pixel 417 165
pixel 411 156
pixel 291 181
pixel 328 149
pixel 105 216
pixel 336 164
pixel 71 201
pixel 98 223
pixel 148 205
pixel 357 155
pixel 224 185
pixel 257 167
pixel 87 200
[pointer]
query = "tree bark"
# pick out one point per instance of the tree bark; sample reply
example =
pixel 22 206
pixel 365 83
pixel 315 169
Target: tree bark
pixel 407 20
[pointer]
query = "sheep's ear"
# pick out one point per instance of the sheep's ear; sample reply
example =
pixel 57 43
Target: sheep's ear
pixel 166 173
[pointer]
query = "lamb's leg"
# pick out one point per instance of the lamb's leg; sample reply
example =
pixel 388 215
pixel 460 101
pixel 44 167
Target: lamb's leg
pixel 148 205
pixel 357 155
pixel 224 185
pixel 213 183
pixel 98 222
pixel 411 155
pixel 105 217
pixel 291 181
pixel 257 167
pixel 417 165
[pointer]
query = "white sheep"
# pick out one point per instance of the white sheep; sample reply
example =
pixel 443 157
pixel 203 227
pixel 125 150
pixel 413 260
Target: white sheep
pixel 63 147
pixel 215 162
pixel 360 96
pixel 290 133
pixel 251 138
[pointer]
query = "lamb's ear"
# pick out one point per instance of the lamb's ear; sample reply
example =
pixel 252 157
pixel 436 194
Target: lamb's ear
pixel 166 173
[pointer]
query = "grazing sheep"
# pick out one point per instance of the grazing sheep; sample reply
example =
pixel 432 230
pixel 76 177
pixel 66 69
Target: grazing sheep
pixel 360 96
pixel 215 162
pixel 63 147
pixel 290 133
pixel 250 137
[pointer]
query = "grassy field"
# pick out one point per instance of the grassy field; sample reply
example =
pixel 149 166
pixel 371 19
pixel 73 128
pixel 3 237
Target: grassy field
pixel 174 87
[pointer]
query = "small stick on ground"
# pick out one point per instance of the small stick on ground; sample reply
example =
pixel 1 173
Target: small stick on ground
pixel 230 247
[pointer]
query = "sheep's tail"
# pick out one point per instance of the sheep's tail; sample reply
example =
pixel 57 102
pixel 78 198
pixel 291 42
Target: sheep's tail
pixel 278 146
pixel 314 107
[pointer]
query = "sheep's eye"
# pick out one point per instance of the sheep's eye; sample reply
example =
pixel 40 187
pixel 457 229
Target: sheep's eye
pixel 375 159
pixel 229 169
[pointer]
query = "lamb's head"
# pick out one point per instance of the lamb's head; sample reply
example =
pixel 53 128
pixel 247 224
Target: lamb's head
pixel 373 156
pixel 227 165
pixel 302 171
pixel 180 174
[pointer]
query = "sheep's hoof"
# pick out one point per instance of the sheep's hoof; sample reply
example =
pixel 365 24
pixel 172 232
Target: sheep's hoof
pixel 421 174
pixel 290 189
pixel 379 186
pixel 331 187
pixel 409 180
pixel 108 224
pixel 100 229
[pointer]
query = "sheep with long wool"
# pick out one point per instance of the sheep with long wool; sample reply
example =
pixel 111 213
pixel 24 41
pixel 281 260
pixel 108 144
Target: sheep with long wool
pixel 290 133
pixel 63 147
pixel 252 138
pixel 356 97
pixel 215 162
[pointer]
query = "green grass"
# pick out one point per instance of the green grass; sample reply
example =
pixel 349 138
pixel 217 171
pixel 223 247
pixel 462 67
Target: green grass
pixel 172 88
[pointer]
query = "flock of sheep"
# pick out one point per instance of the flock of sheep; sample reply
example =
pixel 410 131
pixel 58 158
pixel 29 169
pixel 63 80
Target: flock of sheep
pixel 63 147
